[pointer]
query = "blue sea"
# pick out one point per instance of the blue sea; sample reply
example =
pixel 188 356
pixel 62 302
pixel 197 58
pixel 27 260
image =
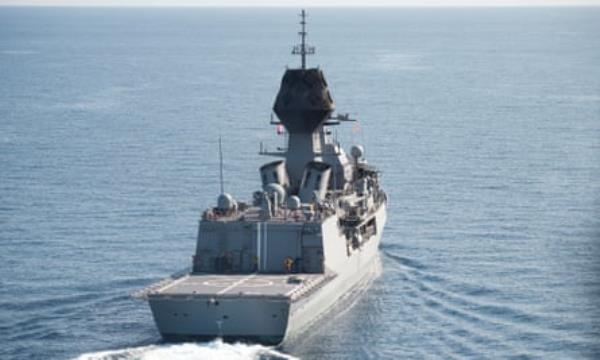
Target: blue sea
pixel 484 122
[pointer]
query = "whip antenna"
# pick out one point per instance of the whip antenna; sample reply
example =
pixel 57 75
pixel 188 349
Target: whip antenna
pixel 221 165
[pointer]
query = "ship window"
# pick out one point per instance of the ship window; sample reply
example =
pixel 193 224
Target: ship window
pixel 318 181
pixel 276 176
pixel 264 178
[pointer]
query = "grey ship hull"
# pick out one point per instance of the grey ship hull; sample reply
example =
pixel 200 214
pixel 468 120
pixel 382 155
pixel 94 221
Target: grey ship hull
pixel 249 320
pixel 234 312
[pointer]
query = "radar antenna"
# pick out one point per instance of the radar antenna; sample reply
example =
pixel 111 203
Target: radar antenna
pixel 303 49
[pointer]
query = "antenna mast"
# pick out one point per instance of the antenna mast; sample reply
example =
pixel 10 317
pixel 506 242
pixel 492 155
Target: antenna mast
pixel 302 49
pixel 221 165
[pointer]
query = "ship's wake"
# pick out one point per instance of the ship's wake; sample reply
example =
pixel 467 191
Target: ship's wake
pixel 187 351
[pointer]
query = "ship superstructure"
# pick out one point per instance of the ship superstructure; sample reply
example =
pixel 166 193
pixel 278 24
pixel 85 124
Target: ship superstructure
pixel 265 269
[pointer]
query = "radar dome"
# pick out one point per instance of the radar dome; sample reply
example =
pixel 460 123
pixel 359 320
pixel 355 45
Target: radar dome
pixel 225 202
pixel 357 151
pixel 293 202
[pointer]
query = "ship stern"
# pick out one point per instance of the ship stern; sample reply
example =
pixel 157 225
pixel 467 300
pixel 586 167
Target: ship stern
pixel 233 318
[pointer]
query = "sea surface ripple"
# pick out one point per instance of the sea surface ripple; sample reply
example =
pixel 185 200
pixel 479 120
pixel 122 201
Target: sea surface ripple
pixel 484 122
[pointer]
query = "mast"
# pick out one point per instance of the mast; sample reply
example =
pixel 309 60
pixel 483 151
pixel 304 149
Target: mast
pixel 303 106
pixel 303 49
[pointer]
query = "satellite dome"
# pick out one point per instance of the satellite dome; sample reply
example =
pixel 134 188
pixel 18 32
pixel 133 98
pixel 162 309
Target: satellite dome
pixel 225 202
pixel 294 203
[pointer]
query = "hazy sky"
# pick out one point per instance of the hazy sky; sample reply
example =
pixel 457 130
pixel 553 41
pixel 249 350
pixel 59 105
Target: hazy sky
pixel 301 3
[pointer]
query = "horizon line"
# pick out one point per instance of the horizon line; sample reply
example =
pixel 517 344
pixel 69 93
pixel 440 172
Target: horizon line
pixel 316 6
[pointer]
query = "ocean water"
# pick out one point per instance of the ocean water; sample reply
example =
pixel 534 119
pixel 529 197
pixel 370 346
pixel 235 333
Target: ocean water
pixel 485 123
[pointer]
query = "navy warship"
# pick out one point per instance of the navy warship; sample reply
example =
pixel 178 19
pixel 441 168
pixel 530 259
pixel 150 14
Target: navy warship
pixel 265 270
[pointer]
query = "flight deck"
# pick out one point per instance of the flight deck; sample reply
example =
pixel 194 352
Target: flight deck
pixel 292 286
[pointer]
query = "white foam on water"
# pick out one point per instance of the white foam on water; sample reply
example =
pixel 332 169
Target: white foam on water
pixel 189 351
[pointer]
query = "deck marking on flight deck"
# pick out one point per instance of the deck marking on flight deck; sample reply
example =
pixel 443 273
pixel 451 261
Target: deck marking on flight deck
pixel 236 284
pixel 294 289
pixel 171 284
pixel 217 283
pixel 259 283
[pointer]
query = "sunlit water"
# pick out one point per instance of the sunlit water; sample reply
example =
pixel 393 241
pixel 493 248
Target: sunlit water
pixel 485 123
